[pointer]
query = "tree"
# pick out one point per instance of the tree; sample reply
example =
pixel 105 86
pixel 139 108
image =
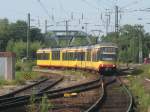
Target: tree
pixel 36 35
pixel 4 33
pixel 34 47
pixel 128 42
pixel 18 31
pixel 19 48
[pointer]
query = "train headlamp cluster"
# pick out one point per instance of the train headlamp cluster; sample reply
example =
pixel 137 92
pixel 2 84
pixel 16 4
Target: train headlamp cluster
pixel 114 65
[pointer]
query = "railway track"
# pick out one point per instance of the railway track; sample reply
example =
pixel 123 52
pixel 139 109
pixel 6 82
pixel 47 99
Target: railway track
pixel 12 102
pixel 115 97
pixel 13 93
pixel 40 85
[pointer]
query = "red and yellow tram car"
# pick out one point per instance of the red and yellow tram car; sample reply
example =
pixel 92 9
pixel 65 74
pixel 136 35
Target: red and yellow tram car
pixel 100 57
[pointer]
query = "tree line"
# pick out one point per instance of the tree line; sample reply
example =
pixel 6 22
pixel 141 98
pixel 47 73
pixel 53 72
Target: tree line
pixel 13 37
pixel 130 40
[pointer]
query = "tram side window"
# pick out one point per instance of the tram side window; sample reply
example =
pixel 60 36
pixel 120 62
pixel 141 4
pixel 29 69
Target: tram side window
pixel 43 56
pixel 71 56
pixel 80 56
pixel 94 56
pixel 55 55
pixel 64 56
pixel 68 56
pixel 38 56
pixel 83 56
pixel 89 56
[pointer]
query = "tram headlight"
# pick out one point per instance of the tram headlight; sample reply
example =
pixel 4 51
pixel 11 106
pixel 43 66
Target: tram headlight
pixel 114 65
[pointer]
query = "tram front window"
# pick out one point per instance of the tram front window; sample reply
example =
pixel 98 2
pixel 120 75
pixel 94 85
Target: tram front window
pixel 107 57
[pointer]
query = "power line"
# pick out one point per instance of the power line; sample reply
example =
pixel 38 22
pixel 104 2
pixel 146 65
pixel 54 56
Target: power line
pixel 108 3
pixel 89 4
pixel 131 3
pixel 100 4
pixel 62 7
pixel 44 8
pixel 104 3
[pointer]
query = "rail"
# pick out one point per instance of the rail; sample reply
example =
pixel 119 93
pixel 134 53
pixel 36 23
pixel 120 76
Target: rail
pixel 22 100
pixel 131 99
pixel 96 106
pixel 11 94
pixel 98 102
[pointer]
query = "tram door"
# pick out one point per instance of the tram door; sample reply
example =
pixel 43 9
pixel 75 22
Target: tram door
pixel 88 59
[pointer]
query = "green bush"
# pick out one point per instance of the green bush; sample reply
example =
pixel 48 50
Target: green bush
pixel 143 97
pixel 137 87
pixel 19 47
pixel 25 66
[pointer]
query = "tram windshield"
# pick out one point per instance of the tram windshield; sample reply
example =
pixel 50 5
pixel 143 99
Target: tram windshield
pixel 107 54
pixel 107 57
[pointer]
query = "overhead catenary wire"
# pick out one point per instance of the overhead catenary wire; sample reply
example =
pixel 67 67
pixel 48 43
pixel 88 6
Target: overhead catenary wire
pixel 131 4
pixel 96 5
pixel 62 9
pixel 44 8
pixel 89 4
pixel 103 3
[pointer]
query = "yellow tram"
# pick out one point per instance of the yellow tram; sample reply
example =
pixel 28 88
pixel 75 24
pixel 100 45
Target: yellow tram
pixel 100 57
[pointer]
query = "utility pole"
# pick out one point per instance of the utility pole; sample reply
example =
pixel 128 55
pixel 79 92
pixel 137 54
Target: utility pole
pixel 107 22
pixel 72 16
pixel 67 27
pixel 86 30
pixel 116 21
pixel 1 44
pixel 107 25
pixel 140 47
pixel 82 16
pixel 28 36
pixel 46 27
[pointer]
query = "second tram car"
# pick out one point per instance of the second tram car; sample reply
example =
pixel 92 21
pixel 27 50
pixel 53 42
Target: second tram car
pixel 100 57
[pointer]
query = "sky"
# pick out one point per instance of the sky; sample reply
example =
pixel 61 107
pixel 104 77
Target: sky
pixel 93 11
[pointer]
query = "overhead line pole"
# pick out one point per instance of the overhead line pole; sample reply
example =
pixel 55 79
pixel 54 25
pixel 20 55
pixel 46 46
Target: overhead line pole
pixel 46 27
pixel 67 28
pixel 28 36
pixel 107 23
pixel 140 47
pixel 116 21
pixel 86 29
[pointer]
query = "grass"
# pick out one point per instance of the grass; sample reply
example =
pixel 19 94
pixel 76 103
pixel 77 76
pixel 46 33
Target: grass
pixel 4 82
pixel 136 86
pixel 32 107
pixel 43 106
pixel 21 77
pixel 23 73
